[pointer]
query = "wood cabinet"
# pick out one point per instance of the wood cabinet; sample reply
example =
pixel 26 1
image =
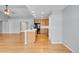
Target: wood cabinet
pixel 42 21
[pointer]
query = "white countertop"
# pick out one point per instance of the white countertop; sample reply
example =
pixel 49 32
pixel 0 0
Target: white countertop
pixel 44 27
pixel 30 30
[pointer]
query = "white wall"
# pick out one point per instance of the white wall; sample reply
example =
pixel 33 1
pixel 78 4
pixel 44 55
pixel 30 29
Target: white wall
pixel 13 25
pixel 5 27
pixel 71 27
pixel 55 26
pixel 0 26
pixel 3 16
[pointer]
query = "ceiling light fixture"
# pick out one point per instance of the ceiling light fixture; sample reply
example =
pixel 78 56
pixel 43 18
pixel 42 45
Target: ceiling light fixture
pixel 7 10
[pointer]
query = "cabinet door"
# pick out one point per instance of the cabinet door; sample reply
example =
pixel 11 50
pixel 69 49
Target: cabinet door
pixel 37 20
pixel 42 21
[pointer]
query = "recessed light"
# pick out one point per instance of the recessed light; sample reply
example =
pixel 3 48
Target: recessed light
pixel 33 11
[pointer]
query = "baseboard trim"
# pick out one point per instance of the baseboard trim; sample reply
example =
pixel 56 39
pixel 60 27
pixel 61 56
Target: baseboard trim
pixel 65 46
pixel 69 48
pixel 56 42
pixel 10 33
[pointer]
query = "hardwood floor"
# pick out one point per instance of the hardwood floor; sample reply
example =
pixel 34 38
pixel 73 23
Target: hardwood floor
pixel 14 43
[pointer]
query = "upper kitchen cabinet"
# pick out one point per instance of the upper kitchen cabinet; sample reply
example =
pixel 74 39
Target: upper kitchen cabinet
pixel 42 21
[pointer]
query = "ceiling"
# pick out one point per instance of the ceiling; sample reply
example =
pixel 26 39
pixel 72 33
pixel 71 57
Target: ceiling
pixel 20 11
pixel 44 11
pixel 47 7
pixel 13 6
pixel 26 11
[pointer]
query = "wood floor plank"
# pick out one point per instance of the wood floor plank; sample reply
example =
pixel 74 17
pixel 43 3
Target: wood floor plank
pixel 15 43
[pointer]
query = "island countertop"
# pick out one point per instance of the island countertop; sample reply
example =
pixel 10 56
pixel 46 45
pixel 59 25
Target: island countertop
pixel 30 30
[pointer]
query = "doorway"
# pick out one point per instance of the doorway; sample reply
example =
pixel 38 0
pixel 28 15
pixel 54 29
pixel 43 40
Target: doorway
pixel 43 33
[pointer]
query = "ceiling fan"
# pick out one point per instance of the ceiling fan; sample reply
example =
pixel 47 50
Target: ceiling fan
pixel 7 11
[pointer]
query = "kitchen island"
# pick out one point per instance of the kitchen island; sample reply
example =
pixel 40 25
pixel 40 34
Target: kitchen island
pixel 30 35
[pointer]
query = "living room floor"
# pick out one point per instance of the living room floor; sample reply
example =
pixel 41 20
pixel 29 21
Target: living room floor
pixel 14 43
